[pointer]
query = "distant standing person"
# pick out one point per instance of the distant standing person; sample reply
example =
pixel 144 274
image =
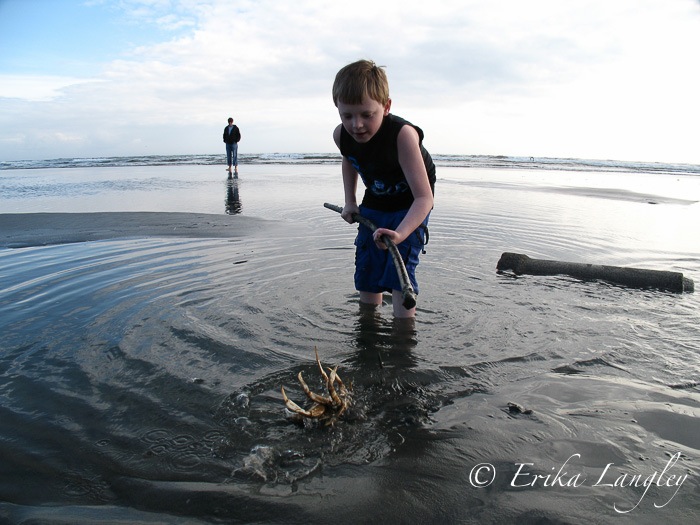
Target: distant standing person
pixel 232 135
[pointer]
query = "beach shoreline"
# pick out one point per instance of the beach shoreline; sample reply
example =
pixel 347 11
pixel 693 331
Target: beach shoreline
pixel 151 315
pixel 22 230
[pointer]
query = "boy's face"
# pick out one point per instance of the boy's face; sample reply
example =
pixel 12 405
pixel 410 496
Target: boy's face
pixel 363 120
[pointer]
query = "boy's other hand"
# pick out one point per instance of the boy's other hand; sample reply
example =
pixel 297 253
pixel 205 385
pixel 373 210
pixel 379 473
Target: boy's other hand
pixel 348 211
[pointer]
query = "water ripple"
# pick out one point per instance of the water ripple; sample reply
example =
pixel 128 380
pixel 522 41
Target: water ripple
pixel 133 368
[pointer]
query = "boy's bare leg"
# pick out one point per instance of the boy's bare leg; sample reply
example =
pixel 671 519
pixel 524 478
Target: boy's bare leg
pixel 399 310
pixel 397 301
pixel 371 298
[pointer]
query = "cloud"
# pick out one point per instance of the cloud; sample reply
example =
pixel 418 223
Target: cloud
pixel 543 77
pixel 38 88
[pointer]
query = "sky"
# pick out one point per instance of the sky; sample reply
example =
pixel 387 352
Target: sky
pixel 593 79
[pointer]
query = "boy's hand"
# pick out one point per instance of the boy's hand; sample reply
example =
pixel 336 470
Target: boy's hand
pixel 379 232
pixel 348 211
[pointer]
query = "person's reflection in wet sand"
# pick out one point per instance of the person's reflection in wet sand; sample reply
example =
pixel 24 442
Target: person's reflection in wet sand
pixel 233 199
pixel 384 345
pixel 390 386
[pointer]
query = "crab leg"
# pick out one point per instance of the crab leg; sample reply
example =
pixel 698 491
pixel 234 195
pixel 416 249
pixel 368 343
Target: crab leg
pixel 313 396
pixel 291 405
pixel 331 389
pixel 343 390
pixel 320 367
pixel 341 404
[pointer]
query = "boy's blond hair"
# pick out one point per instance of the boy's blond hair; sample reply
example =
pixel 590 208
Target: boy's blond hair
pixel 358 79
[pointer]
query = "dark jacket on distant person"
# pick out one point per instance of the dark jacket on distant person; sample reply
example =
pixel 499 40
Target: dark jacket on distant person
pixel 234 136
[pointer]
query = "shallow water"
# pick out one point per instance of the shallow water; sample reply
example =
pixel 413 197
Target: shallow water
pixel 140 378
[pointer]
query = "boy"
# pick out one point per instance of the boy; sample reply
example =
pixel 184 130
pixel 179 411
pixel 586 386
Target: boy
pixel 398 173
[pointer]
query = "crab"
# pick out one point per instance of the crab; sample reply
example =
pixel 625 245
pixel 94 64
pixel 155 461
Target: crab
pixel 325 409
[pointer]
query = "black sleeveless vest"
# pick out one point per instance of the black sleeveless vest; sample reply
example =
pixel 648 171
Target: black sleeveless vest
pixel 377 162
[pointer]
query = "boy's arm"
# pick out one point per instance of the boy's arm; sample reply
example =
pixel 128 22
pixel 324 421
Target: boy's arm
pixel 350 177
pixel 350 189
pixel 413 167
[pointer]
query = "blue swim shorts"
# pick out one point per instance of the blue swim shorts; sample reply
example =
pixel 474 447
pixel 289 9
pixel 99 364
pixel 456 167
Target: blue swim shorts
pixel 374 268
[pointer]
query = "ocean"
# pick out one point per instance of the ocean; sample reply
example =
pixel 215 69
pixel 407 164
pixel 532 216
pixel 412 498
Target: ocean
pixel 459 161
pixel 140 375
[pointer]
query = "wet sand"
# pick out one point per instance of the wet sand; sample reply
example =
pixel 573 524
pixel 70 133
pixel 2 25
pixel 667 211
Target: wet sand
pixel 141 375
pixel 42 229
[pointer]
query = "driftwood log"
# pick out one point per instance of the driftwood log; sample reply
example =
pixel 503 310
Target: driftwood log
pixel 632 277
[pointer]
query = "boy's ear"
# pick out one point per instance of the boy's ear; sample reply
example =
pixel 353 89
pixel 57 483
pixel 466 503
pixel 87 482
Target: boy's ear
pixel 387 107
